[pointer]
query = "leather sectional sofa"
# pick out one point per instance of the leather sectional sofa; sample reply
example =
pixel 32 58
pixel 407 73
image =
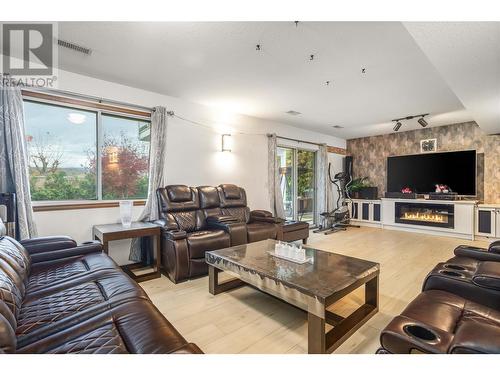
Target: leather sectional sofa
pixel 199 219
pixel 458 310
pixel 60 297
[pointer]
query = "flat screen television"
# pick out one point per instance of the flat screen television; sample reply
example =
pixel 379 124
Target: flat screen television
pixel 422 172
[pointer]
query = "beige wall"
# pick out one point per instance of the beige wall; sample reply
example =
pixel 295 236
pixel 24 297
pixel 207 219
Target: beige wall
pixel 370 153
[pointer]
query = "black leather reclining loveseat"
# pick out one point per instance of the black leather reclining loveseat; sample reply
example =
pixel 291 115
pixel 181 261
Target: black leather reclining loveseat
pixel 60 297
pixel 458 310
pixel 196 220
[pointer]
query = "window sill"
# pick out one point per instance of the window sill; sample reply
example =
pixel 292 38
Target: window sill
pixel 79 205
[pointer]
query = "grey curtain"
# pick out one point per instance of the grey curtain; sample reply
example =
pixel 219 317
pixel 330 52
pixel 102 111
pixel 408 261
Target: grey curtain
pixel 141 251
pixel 275 196
pixel 14 172
pixel 323 188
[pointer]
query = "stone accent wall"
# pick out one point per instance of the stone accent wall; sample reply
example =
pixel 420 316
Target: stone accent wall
pixel 370 154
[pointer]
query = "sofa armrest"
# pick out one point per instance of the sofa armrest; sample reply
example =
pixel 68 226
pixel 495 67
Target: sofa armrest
pixel 188 349
pixel 494 247
pixel 487 275
pixel 221 219
pixel 174 234
pixel 476 253
pixel 237 230
pixel 264 216
pixel 473 337
pixel 84 248
pixel 42 244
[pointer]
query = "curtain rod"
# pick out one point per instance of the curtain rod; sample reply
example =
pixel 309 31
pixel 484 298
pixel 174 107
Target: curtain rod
pixel 90 97
pixel 298 140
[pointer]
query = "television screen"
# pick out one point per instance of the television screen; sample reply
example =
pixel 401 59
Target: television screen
pixel 422 172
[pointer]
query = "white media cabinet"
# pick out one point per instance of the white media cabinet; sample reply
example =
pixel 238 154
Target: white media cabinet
pixel 470 219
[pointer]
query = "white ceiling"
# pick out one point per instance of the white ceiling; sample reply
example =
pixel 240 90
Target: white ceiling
pixel 216 64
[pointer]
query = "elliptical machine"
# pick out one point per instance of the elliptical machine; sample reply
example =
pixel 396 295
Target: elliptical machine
pixel 339 218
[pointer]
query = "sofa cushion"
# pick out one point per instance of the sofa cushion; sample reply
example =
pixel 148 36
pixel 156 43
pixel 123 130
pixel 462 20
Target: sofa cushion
pixel 232 196
pixel 57 306
pixel 181 203
pixel 209 198
pixel 133 327
pixel 12 289
pixel 231 191
pixel 16 256
pixel 241 213
pixel 261 231
pixel 179 193
pixel 45 274
pixel 206 240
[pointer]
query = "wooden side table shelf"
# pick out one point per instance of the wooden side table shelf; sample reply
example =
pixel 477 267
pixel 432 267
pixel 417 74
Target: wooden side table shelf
pixel 112 232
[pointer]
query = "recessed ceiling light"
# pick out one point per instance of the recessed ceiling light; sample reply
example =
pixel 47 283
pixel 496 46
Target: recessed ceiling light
pixel 293 113
pixel 337 127
pixel 77 118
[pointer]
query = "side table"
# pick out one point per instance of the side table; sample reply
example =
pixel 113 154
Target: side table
pixel 112 232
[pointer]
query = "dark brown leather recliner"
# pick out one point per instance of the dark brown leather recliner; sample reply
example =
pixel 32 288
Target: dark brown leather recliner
pixel 458 310
pixel 260 224
pixel 196 220
pixel 185 237
pixel 60 297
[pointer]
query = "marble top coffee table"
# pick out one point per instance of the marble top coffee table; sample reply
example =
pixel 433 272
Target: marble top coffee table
pixel 312 287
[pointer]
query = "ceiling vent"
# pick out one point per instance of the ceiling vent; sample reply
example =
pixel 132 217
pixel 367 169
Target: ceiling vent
pixel 293 113
pixel 337 127
pixel 74 47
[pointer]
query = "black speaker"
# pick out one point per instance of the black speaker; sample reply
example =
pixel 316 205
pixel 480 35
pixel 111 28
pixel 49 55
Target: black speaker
pixel 348 165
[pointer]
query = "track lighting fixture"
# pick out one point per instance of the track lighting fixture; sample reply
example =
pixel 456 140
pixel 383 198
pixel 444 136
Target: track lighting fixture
pixel 421 121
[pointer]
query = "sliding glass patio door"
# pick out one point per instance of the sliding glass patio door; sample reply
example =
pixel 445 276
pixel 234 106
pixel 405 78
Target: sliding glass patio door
pixel 298 182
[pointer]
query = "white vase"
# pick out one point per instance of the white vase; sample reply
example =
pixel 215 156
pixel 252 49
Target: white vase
pixel 126 213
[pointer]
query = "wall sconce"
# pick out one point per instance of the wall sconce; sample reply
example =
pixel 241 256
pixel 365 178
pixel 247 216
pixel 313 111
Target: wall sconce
pixel 226 142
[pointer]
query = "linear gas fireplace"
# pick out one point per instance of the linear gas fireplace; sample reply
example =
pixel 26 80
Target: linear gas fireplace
pixel 426 214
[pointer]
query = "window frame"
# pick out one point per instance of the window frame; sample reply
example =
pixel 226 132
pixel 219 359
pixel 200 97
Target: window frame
pixel 295 177
pixel 99 110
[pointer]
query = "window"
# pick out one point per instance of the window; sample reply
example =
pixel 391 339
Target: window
pixel 298 180
pixel 65 163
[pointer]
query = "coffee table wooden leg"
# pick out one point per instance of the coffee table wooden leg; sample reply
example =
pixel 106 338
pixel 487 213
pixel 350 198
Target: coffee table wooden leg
pixel 372 292
pixel 316 338
pixel 213 279
pixel 105 246
pixel 157 251
pixel 214 287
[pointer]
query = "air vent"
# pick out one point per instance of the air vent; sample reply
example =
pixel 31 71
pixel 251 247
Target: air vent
pixel 293 113
pixel 74 47
pixel 337 127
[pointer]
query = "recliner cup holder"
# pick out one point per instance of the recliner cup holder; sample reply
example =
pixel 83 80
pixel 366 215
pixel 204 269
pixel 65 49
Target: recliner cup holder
pixel 420 332
pixel 455 267
pixel 451 273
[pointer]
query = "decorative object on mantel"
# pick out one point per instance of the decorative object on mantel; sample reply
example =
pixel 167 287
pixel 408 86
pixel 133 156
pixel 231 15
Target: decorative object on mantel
pixel 406 190
pixel 441 188
pixel 428 145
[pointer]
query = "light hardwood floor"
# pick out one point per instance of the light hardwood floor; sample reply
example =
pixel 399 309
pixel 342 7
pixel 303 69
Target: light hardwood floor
pixel 246 320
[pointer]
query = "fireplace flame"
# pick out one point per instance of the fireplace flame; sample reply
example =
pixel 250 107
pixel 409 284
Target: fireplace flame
pixel 436 218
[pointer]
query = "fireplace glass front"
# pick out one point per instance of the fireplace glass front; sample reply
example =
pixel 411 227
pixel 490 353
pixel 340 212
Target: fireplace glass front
pixel 426 214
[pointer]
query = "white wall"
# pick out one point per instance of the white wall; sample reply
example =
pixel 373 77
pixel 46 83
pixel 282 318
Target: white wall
pixel 193 152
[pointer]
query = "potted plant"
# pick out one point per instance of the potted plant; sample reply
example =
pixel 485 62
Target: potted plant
pixel 360 188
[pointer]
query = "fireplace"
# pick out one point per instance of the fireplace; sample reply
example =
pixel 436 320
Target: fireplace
pixel 426 214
